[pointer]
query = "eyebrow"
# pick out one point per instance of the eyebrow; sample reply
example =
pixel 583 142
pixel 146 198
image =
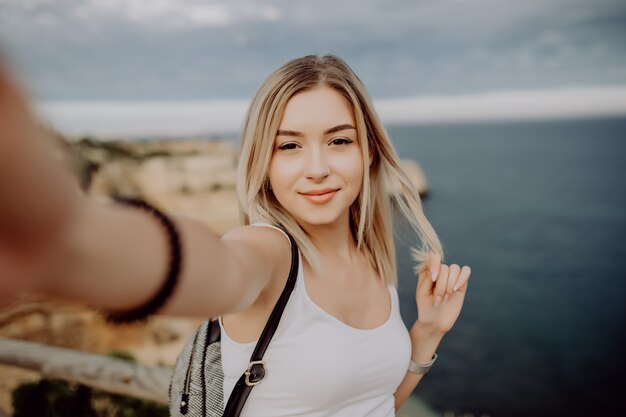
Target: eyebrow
pixel 335 129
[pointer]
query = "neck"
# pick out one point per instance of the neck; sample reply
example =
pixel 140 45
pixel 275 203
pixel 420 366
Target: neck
pixel 333 240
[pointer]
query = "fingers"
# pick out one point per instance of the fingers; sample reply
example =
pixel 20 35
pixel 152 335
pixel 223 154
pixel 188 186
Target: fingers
pixel 453 277
pixel 461 282
pixel 434 262
pixel 441 280
pixel 441 284
pixel 428 272
pixel 450 279
pixel 425 284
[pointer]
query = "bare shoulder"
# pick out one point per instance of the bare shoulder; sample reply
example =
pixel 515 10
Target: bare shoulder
pixel 269 247
pixel 245 325
pixel 265 238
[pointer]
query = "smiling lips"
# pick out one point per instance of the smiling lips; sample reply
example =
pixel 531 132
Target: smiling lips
pixel 320 196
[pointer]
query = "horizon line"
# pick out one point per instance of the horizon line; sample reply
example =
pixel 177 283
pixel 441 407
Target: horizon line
pixel 189 117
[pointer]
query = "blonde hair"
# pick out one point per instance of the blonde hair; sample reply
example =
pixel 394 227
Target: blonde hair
pixel 371 213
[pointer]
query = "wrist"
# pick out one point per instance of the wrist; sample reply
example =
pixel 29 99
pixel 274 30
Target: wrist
pixel 425 340
pixel 423 330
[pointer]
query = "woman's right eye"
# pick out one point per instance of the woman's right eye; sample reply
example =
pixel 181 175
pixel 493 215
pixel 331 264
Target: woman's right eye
pixel 287 146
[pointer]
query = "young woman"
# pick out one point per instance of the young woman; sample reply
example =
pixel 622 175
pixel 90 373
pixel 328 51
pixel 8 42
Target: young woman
pixel 315 161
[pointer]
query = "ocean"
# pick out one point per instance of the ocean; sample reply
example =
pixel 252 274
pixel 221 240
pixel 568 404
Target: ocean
pixel 538 210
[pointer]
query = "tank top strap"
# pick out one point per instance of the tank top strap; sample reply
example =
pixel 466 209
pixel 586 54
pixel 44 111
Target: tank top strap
pixel 395 298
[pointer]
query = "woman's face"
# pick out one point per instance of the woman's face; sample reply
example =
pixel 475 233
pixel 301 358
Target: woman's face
pixel 316 170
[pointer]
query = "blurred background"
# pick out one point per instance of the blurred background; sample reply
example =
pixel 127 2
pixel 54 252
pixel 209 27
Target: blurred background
pixel 515 112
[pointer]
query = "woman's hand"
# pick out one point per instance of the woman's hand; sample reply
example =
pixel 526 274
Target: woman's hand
pixel 36 191
pixel 439 303
pixel 439 300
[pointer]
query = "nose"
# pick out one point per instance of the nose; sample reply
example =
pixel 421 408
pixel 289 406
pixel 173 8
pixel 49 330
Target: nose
pixel 316 165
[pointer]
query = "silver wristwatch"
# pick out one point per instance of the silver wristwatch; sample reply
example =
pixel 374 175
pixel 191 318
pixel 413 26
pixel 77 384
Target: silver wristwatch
pixel 422 368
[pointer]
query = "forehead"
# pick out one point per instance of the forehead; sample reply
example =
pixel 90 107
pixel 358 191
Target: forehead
pixel 317 109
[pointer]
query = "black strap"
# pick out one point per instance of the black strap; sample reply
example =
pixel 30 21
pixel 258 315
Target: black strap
pixel 241 390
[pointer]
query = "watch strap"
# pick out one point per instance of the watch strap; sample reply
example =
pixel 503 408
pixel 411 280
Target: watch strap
pixel 422 368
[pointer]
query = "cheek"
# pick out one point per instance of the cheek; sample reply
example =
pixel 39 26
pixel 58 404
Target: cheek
pixel 352 166
pixel 282 173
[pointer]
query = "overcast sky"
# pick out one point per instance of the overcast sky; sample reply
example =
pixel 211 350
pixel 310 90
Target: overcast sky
pixel 188 49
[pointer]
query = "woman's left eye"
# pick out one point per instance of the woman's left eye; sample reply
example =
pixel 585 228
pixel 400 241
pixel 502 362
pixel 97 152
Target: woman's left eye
pixel 341 141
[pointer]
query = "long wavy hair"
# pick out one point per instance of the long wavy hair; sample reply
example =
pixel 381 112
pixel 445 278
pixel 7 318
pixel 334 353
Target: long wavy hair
pixel 385 184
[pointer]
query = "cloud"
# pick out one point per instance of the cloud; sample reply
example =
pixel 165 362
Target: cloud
pixel 156 15
pixel 192 49
pixel 166 13
pixel 176 14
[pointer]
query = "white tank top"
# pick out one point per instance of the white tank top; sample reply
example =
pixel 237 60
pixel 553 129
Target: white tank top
pixel 318 366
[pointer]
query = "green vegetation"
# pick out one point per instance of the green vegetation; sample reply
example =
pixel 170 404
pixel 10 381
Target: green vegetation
pixel 52 398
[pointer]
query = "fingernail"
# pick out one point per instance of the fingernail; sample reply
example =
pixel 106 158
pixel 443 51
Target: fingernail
pixel 446 298
pixel 433 275
pixel 438 301
pixel 455 288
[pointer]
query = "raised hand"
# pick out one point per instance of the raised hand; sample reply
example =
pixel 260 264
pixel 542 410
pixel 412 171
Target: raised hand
pixel 440 293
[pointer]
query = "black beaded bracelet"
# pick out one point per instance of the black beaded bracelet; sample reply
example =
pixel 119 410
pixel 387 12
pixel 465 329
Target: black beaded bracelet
pixel 151 306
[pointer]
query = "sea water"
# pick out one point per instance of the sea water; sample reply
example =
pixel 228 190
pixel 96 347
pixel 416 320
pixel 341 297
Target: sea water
pixel 538 210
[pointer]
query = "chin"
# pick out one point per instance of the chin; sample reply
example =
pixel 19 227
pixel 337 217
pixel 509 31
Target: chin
pixel 318 221
pixel 321 218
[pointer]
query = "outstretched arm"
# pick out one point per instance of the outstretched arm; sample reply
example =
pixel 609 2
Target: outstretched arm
pixel 115 257
pixel 54 240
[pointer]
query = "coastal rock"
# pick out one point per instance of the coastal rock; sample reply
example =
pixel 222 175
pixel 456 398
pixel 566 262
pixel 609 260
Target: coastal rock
pixel 196 178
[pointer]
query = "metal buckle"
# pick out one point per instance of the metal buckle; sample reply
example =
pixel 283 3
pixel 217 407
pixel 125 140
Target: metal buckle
pixel 249 372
